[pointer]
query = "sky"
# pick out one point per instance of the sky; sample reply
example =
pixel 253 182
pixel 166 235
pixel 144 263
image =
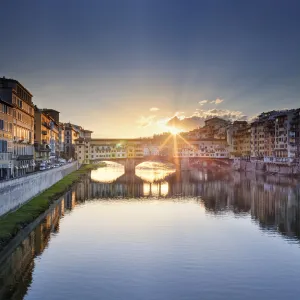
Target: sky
pixel 125 68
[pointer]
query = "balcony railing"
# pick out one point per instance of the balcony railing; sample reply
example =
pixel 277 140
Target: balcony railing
pixel 47 125
pixel 24 157
pixel 5 156
pixel 42 148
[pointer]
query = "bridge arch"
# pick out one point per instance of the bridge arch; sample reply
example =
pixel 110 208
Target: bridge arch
pixel 119 162
pixel 162 160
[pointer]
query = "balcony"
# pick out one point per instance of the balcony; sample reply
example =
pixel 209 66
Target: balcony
pixel 24 157
pixel 47 125
pixel 42 147
pixel 5 156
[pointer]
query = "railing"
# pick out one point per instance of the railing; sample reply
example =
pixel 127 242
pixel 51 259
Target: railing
pixel 46 125
pixel 5 156
pixel 25 157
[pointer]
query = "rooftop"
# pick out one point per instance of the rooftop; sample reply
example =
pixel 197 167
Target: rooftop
pixel 6 80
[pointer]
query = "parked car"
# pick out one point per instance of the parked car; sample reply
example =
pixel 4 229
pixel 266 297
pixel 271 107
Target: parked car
pixel 43 167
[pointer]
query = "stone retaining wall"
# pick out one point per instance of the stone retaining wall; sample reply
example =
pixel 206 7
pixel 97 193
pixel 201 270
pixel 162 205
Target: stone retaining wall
pixel 16 192
pixel 267 167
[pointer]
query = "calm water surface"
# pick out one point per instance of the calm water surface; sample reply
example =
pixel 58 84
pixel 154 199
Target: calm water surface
pixel 161 235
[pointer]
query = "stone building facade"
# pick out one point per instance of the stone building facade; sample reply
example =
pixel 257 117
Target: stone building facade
pixel 15 94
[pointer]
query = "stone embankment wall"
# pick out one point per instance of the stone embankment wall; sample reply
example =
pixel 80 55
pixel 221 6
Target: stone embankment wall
pixel 16 192
pixel 263 167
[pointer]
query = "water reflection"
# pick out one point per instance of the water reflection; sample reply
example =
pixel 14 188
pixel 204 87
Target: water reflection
pixel 152 172
pixel 16 271
pixel 272 202
pixel 109 173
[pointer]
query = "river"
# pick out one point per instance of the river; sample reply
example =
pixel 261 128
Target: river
pixel 161 235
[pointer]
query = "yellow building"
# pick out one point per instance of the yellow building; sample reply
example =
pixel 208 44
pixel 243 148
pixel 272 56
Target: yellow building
pixel 89 150
pixel 45 136
pixel 15 94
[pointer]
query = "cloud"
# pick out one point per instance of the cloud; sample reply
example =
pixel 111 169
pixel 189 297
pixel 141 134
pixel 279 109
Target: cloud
pixel 154 109
pixel 200 115
pixel 179 114
pixel 221 113
pixel 217 101
pixel 202 102
pixel 145 121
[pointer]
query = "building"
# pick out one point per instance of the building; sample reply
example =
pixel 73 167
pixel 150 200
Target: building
pixel 71 133
pixel 206 148
pixel 61 140
pixel 275 136
pixel 14 93
pixel 68 134
pixel 286 132
pixel 239 139
pixel 214 128
pixel 151 149
pixel 89 150
pixel 54 142
pixel 46 141
pixel 269 143
pixel 6 140
pixel 231 135
pixel 257 139
pixel 295 132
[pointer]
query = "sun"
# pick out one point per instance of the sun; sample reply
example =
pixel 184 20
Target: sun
pixel 173 130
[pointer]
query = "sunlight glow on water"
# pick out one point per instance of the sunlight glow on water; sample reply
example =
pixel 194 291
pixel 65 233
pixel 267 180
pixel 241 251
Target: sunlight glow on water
pixel 148 171
pixel 108 174
pixel 152 172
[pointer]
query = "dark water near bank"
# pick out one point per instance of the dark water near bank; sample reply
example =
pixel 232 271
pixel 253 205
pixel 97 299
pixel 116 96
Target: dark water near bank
pixel 194 235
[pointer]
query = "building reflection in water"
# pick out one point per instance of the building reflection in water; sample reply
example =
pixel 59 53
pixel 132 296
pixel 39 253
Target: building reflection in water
pixel 272 202
pixel 16 270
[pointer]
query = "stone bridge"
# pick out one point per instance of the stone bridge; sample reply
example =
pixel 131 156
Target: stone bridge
pixel 180 163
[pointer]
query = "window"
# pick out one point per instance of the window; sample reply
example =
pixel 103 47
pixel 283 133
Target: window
pixel 3 146
pixel 20 103
pixel 4 108
pixel 1 124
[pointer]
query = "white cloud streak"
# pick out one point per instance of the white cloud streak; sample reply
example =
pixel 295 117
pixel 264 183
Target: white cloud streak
pixel 217 101
pixel 202 102
pixel 145 121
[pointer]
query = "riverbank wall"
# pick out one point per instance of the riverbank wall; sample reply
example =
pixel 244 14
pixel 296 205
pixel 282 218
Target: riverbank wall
pixel 266 167
pixel 15 192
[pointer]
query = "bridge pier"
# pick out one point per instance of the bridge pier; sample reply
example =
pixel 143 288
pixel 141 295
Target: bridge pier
pixel 129 166
pixel 184 164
